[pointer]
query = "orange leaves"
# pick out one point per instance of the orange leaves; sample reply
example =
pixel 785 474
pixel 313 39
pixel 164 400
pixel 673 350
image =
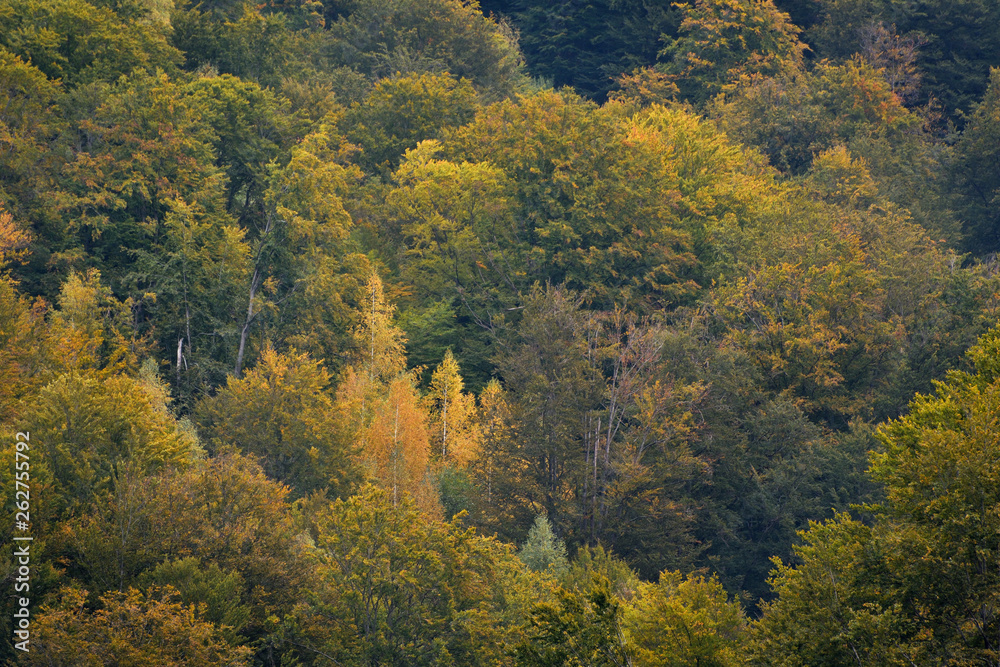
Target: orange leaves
pixel 396 442
pixel 381 411
pixel 14 242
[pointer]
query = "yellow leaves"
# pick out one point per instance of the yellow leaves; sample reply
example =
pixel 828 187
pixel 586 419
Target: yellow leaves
pixel 281 412
pixel 380 344
pixel 308 191
pixel 89 426
pixel 684 621
pixel 14 242
pixel 129 628
pixel 645 86
pixel 843 178
pixel 92 330
pixel 454 415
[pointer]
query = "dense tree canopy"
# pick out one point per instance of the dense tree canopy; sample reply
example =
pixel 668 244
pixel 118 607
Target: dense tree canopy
pixel 438 332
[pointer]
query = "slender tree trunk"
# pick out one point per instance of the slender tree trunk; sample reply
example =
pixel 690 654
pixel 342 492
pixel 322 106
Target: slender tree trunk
pixel 444 423
pixel 255 283
pixel 245 331
pixel 395 458
pixel 180 353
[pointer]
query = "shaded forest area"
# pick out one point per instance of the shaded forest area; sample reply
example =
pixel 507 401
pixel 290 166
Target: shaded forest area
pixel 419 332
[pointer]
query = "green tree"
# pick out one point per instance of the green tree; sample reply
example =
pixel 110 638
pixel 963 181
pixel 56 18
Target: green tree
pixel 251 127
pixel 795 115
pixel 255 46
pixel 954 55
pixel 919 585
pixel 187 280
pixel 542 551
pixel 280 411
pixel 588 45
pixel 499 469
pixel 398 589
pixel 90 425
pixel 299 247
pixel 975 169
pixel 590 195
pixel 722 40
pixel 383 37
pixel 142 151
pixel 450 229
pixel 217 593
pixel 29 124
pixel 553 388
pixel 225 511
pixel 579 628
pixel 838 607
pixel 402 111
pixel 80 42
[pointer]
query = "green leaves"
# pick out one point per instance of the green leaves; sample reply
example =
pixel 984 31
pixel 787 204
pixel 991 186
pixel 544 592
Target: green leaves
pixel 581 628
pixel 921 581
pixel 722 40
pixel 398 589
pixel 281 412
pixel 402 111
pixel 383 37
pixel 542 551
pixel 975 168
pixel 80 43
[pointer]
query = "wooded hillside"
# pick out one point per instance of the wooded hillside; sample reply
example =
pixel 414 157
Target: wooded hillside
pixel 425 332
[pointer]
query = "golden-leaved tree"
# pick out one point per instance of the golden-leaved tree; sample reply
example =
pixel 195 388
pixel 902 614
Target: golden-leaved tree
pixel 381 412
pixel 453 417
pixel 129 628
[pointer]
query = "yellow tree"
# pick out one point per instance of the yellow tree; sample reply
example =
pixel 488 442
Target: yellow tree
pixel 130 628
pixel 685 621
pixel 454 414
pixel 382 345
pixel 380 409
pixel 280 411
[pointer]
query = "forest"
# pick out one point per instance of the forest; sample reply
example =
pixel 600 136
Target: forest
pixel 501 333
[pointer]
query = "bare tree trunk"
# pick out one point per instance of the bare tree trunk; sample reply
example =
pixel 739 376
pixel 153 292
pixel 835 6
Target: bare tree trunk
pixel 245 331
pixel 255 283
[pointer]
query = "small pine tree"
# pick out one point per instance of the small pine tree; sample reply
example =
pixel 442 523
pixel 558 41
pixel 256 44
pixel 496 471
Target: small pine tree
pixel 543 551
